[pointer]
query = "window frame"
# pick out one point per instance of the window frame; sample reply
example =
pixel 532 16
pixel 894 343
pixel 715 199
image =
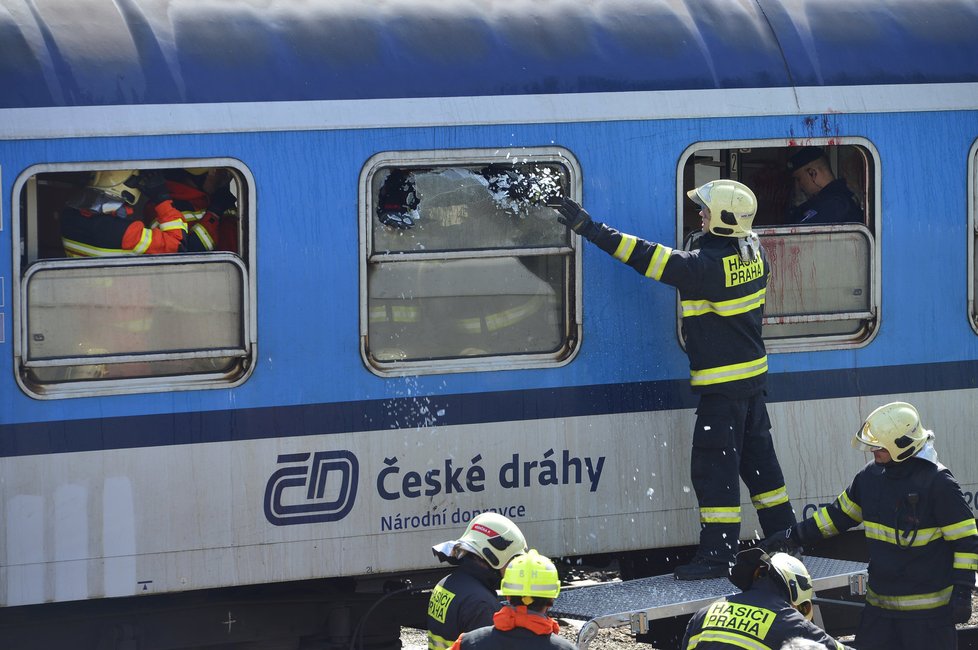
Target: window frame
pixel 871 227
pixel 972 183
pixel 26 264
pixel 572 303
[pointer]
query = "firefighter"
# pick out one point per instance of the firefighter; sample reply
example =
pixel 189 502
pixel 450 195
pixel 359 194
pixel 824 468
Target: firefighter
pixel 721 284
pixel 466 598
pixel 920 535
pixel 774 606
pixel 530 585
pixel 100 220
pixel 204 198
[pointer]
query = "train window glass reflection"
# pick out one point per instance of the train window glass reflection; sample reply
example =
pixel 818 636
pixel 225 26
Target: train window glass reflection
pixel 817 218
pixel 110 300
pixel 466 268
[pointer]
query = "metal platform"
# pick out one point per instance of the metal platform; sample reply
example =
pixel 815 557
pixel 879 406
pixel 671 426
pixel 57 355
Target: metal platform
pixel 636 602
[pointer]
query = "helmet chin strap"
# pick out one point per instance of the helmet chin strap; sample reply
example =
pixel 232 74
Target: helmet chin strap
pixel 748 247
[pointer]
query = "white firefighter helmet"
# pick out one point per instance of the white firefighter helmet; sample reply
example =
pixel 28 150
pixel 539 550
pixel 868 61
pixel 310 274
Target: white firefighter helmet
pixel 491 536
pixel 119 184
pixel 731 206
pixel 532 576
pixel 894 427
pixel 792 573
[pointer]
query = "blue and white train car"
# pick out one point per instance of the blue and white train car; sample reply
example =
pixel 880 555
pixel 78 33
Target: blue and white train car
pixel 257 440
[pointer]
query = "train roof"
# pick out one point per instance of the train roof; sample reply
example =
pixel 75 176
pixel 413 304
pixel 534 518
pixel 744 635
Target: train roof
pixel 127 52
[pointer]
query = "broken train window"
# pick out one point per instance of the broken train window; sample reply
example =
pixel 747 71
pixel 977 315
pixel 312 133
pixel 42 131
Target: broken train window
pixel 465 268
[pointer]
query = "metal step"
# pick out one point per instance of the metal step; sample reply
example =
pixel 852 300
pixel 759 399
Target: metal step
pixel 636 602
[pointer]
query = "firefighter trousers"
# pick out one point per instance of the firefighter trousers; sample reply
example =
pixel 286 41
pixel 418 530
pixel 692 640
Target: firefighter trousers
pixel 732 441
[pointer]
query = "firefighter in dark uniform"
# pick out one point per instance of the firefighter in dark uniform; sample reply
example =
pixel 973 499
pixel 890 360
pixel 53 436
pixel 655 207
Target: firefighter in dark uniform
pixel 828 199
pixel 100 221
pixel 721 286
pixel 530 585
pixel 466 599
pixel 774 607
pixel 920 535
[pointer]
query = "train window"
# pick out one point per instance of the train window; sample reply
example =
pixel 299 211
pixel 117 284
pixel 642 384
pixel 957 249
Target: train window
pixel 464 267
pixel 818 220
pixel 111 300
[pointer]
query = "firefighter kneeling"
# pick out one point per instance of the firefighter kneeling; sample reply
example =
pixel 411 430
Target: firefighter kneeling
pixel 530 583
pixel 775 607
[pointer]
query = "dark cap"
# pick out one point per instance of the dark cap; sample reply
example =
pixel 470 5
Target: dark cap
pixel 804 156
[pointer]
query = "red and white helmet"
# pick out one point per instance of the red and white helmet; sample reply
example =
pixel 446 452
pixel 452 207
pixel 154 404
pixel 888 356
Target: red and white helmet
pixel 491 536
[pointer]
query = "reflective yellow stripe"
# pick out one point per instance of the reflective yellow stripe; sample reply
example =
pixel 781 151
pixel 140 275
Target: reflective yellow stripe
pixel 733 372
pixel 176 224
pixel 731 638
pixel 852 509
pixel 882 533
pixel 732 307
pixel 395 313
pixel 960 530
pixel 193 216
pixel 78 249
pixel 770 499
pixel 204 236
pixel 144 241
pixel 910 602
pixel 625 248
pixel 825 524
pixel 966 561
pixel 658 262
pixel 436 642
pixel 720 515
pixel 693 642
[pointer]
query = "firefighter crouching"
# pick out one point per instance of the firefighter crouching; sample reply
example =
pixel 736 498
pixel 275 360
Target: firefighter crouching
pixel 920 535
pixel 530 584
pixel 466 599
pixel 774 607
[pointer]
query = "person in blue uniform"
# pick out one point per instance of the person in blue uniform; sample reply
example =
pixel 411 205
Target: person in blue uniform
pixel 773 608
pixel 466 598
pixel 722 285
pixel 827 199
pixel 920 535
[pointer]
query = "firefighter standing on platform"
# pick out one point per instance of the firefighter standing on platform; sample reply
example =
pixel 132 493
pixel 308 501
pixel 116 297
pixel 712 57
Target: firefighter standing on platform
pixel 722 286
pixel 530 584
pixel 100 221
pixel 466 599
pixel 774 607
pixel 920 535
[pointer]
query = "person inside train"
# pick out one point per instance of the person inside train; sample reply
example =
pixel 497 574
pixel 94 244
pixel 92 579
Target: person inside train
pixel 722 282
pixel 827 199
pixel 101 220
pixel 530 585
pixel 920 535
pixel 204 197
pixel 774 606
pixel 466 598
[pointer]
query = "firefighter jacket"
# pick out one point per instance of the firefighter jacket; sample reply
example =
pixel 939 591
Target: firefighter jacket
pixel 515 628
pixel 722 301
pixel 94 234
pixel 920 534
pixel 462 601
pixel 760 618
pixel 203 224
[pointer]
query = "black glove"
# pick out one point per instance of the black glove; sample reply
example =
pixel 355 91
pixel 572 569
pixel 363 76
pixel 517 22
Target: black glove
pixel 786 541
pixel 571 214
pixel 961 603
pixel 153 185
